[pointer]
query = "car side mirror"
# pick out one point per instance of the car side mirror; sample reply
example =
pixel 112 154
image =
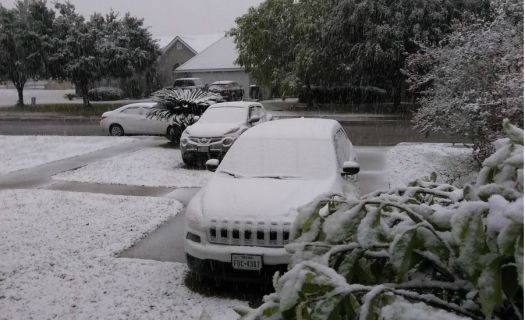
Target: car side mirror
pixel 212 164
pixel 350 168
pixel 269 117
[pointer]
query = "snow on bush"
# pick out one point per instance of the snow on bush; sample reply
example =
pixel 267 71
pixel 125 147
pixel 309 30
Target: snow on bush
pixel 106 94
pixel 182 107
pixel 473 80
pixel 427 250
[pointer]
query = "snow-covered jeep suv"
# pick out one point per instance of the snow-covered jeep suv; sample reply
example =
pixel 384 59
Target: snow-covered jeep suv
pixel 238 224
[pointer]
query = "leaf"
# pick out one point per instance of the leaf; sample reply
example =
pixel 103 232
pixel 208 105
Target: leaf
pixel 469 230
pixel 401 253
pixel 369 229
pixel 518 257
pixel 433 176
pixel 507 238
pixel 489 285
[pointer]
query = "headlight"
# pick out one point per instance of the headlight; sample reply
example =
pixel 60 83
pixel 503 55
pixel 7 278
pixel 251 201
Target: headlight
pixel 184 138
pixel 232 130
pixel 227 142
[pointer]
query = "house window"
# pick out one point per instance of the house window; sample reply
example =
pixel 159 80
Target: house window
pixel 178 46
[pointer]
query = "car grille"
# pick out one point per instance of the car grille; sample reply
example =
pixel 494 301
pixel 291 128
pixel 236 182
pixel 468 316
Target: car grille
pixel 205 140
pixel 249 233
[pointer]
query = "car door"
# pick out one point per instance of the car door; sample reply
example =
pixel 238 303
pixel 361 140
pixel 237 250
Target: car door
pixel 129 118
pixel 153 125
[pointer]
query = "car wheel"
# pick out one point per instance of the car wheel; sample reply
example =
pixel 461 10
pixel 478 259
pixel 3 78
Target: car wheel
pixel 116 130
pixel 187 161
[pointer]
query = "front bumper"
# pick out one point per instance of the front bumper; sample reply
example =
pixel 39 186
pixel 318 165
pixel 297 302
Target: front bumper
pixel 222 270
pixel 214 260
pixel 192 152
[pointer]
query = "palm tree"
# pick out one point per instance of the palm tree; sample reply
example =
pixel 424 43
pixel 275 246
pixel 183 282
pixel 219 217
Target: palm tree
pixel 182 107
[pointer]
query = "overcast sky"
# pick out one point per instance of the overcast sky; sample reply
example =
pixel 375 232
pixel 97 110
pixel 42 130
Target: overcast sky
pixel 171 17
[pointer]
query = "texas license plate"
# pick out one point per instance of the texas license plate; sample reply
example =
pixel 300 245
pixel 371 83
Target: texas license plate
pixel 202 149
pixel 246 262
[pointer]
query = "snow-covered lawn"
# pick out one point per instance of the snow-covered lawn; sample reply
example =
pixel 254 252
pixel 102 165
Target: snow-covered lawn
pixel 154 167
pixel 409 161
pixel 9 97
pixel 58 260
pixel 21 152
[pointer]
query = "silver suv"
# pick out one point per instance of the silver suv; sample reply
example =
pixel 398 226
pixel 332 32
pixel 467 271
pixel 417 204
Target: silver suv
pixel 217 129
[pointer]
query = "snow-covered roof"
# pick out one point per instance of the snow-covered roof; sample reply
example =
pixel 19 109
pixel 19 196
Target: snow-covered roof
pixel 196 43
pixel 298 128
pixel 221 55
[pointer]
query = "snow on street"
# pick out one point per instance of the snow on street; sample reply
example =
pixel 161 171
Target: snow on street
pixel 21 152
pixel 58 260
pixel 153 167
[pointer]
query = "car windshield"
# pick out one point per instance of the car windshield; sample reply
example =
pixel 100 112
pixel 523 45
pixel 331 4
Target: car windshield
pixel 219 86
pixel 224 115
pixel 280 159
pixel 183 83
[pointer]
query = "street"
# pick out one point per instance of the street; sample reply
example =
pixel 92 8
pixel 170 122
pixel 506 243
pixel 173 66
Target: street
pixel 370 132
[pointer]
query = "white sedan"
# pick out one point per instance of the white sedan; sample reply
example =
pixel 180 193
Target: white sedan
pixel 133 119
pixel 238 224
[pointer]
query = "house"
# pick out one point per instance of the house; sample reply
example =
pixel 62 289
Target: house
pixel 176 51
pixel 217 62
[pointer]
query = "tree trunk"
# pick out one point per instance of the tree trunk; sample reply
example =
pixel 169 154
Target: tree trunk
pixel 84 89
pixel 20 90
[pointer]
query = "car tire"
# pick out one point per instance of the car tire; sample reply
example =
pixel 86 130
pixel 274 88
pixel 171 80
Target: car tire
pixel 187 161
pixel 116 130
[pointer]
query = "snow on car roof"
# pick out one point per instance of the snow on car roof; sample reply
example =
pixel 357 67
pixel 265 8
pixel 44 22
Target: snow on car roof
pixel 223 82
pixel 297 128
pixel 141 104
pixel 237 104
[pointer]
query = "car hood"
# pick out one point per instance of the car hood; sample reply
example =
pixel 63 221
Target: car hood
pixel 259 199
pixel 206 130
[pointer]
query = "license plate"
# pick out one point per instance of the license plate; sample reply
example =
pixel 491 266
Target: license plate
pixel 246 262
pixel 202 149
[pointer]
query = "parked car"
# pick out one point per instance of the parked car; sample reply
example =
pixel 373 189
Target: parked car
pixel 188 83
pixel 229 90
pixel 133 119
pixel 218 127
pixel 237 225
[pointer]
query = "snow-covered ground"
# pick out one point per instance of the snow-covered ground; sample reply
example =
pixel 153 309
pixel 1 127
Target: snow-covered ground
pixel 409 161
pixel 153 167
pixel 9 97
pixel 21 152
pixel 58 260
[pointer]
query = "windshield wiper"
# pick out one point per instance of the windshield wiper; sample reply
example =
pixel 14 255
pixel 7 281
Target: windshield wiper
pixel 233 174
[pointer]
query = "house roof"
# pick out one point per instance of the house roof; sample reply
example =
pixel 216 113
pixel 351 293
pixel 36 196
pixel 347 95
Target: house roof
pixel 221 55
pixel 196 43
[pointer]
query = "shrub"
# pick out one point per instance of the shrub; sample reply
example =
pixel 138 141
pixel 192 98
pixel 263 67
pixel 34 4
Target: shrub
pixel 181 107
pixel 105 94
pixel 427 251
